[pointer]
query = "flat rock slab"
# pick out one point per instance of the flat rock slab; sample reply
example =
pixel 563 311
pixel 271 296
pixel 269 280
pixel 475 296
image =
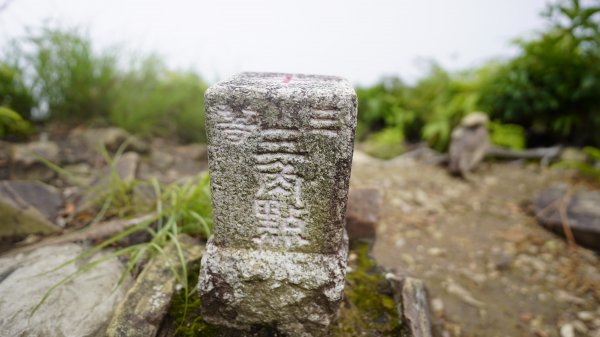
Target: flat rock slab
pixel 28 207
pixel 27 160
pixel 280 152
pixel 412 305
pixel 582 210
pixel 111 138
pixel 81 307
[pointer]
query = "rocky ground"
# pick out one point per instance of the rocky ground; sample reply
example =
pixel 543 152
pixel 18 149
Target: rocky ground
pixel 491 270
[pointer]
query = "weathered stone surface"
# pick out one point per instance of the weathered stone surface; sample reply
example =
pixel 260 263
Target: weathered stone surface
pixel 582 210
pixel 26 163
pixel 362 215
pixel 280 151
pixel 28 207
pixel 82 307
pixel 468 144
pixel 126 166
pixel 111 138
pixel 412 305
pixel 146 303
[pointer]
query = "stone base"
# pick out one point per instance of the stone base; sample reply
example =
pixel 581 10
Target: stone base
pixel 298 294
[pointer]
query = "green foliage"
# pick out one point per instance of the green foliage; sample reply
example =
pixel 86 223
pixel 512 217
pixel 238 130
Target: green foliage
pixel 12 125
pixel 74 82
pixel 14 93
pixel 68 75
pixel 551 90
pixel 428 110
pixel 385 144
pixel 511 136
pixel 151 100
pixel 369 307
pixel 553 87
pixel 589 168
pixel 182 207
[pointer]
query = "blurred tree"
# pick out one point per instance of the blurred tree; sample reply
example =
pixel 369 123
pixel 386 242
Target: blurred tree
pixel 14 93
pixel 553 87
pixel 68 77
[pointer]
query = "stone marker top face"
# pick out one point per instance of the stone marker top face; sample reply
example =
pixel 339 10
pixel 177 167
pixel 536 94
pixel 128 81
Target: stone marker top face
pixel 287 85
pixel 280 150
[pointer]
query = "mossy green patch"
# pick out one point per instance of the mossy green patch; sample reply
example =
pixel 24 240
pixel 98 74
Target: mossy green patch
pixel 369 307
pixel 185 311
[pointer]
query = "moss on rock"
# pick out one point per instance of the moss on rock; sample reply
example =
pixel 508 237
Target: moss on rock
pixel 368 307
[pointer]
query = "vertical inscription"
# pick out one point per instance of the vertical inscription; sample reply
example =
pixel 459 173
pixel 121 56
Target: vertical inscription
pixel 236 127
pixel 278 204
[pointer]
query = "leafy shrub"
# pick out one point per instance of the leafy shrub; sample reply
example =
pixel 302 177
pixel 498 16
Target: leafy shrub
pixel 385 144
pixel 553 87
pixel 67 75
pixel 14 93
pixel 511 136
pixel 590 168
pixel 12 125
pixel 151 100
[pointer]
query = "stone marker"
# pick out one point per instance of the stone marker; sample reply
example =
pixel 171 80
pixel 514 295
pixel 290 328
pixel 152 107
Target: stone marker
pixel 280 151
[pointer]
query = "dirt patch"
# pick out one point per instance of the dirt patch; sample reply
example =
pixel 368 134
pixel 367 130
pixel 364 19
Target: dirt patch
pixel 490 269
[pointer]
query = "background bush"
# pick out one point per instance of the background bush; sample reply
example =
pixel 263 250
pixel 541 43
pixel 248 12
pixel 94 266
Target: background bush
pixel 64 78
pixel 14 93
pixel 149 99
pixel 549 93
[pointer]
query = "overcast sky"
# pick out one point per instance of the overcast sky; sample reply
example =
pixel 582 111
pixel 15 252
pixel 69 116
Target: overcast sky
pixel 360 40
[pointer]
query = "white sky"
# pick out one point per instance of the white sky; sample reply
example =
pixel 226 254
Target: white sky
pixel 361 40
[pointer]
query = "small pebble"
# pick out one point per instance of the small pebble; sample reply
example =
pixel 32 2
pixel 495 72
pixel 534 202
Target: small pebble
pixel 435 251
pixel 438 305
pixel 567 330
pixel 585 316
pixel 580 327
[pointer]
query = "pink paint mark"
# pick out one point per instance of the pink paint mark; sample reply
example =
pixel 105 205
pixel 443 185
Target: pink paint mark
pixel 287 78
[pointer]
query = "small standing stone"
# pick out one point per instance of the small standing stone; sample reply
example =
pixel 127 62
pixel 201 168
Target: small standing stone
pixel 362 215
pixel 468 144
pixel 280 151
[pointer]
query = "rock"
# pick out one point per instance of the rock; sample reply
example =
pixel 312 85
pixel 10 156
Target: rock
pixel 195 151
pixel 26 163
pixel 74 150
pixel 362 215
pixel 28 207
pixel 437 305
pixel 586 316
pixel 463 294
pixel 412 305
pixel 567 330
pixel 468 144
pixel 125 168
pixel 146 303
pixel 280 150
pixel 81 307
pixel 161 160
pixel 500 260
pixel 582 211
pixel 111 138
